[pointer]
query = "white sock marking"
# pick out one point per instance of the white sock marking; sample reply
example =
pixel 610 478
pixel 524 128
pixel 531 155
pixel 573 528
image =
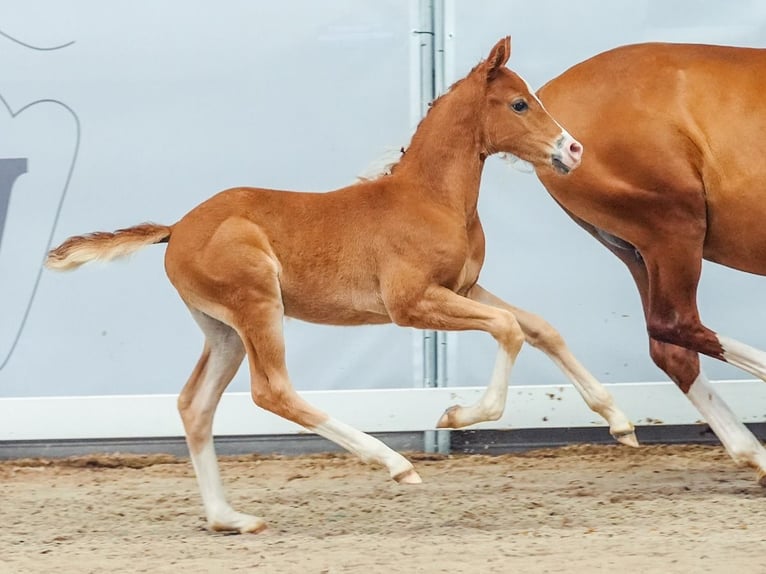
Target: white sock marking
pixel 368 448
pixel 491 405
pixel 739 442
pixel 220 516
pixel 744 356
pixel 209 480
pixel 598 399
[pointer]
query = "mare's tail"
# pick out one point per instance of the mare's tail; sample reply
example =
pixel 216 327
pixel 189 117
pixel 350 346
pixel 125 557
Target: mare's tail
pixel 105 246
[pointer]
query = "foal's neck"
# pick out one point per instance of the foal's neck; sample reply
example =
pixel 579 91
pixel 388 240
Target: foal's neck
pixel 446 156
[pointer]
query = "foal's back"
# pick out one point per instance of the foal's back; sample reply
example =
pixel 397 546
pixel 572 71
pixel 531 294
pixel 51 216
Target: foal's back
pixel 671 129
pixel 327 252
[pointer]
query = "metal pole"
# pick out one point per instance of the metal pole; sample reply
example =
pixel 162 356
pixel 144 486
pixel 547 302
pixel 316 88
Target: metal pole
pixel 431 36
pixel 443 444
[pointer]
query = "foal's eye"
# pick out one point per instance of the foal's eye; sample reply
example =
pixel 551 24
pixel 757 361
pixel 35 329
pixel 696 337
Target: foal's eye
pixel 519 106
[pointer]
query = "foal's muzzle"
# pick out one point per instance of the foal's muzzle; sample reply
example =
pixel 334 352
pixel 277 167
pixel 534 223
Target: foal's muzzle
pixel 567 155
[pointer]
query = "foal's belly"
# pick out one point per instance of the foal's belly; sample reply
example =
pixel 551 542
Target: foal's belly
pixel 313 304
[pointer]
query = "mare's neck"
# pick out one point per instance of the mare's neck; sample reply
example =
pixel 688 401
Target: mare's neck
pixel 446 156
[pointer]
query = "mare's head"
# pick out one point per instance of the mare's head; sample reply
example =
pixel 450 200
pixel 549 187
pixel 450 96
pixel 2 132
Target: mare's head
pixel 515 121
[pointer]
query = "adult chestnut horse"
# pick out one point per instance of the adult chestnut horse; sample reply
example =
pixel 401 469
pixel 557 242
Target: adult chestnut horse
pixel 686 185
pixel 406 247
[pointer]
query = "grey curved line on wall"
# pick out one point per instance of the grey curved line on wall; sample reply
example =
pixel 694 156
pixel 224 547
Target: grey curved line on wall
pixel 31 47
pixel 56 216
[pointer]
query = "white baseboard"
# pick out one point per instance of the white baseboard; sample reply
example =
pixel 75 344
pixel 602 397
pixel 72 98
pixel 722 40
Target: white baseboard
pixel 375 410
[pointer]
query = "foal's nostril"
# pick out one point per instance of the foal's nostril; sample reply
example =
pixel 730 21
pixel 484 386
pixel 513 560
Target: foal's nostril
pixel 575 148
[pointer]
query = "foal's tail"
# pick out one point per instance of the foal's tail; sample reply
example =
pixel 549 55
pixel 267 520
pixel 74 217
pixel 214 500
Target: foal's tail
pixel 105 246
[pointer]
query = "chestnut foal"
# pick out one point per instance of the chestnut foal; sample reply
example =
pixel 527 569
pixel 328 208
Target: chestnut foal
pixel 406 248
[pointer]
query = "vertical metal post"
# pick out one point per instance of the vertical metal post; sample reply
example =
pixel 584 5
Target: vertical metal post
pixel 443 444
pixel 431 38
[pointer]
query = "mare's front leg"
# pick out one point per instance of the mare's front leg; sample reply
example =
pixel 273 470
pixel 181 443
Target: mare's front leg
pixel 541 335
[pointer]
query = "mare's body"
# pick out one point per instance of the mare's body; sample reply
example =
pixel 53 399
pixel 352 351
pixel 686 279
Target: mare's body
pixel 673 174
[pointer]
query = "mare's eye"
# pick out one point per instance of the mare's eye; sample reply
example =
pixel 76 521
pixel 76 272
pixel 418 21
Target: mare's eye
pixel 519 106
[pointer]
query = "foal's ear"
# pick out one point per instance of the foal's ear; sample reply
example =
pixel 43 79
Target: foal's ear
pixel 498 57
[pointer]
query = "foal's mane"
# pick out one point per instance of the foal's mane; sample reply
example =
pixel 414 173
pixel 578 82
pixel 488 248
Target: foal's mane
pixel 386 163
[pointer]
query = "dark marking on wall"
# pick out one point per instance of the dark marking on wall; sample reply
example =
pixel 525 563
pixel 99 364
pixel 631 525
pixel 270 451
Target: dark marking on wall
pixel 10 170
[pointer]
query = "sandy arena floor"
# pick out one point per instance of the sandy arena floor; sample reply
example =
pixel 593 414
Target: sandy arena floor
pixel 574 510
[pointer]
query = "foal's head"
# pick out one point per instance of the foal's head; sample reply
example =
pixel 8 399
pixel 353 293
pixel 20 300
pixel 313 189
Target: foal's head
pixel 515 120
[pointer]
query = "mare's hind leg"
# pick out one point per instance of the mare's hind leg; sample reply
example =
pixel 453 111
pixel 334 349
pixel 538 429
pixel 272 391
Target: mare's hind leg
pixel 682 365
pixel 221 357
pixel 259 323
pixel 744 356
pixel 540 334
pixel 668 287
pixel 672 314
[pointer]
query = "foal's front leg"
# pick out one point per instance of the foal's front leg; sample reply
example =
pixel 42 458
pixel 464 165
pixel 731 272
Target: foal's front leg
pixel 540 334
pixel 441 309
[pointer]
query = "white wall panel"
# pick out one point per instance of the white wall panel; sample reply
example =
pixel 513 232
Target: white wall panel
pixel 153 107
pixel 175 101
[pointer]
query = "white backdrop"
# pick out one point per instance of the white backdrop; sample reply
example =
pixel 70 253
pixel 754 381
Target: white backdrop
pixel 176 101
pixel 153 107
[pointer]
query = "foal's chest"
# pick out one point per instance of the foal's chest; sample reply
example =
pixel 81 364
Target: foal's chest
pixel 474 260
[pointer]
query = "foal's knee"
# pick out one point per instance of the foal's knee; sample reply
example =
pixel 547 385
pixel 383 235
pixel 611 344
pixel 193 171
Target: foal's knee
pixel 508 332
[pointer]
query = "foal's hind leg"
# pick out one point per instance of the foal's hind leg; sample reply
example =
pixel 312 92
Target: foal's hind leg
pixel 259 323
pixel 197 403
pixel 540 334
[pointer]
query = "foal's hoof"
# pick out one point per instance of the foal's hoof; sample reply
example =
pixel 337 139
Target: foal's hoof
pixel 242 523
pixel 449 419
pixel 408 477
pixel 626 438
